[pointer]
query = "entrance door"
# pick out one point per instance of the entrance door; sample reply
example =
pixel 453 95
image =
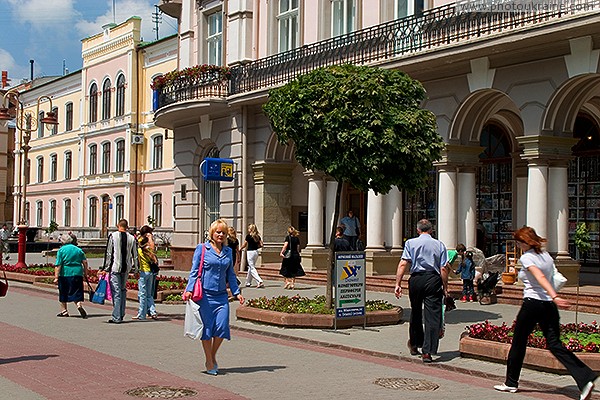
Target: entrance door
pixel 357 202
pixel 105 208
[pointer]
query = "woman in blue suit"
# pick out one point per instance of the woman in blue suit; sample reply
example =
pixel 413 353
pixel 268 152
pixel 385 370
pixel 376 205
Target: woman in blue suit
pixel 217 272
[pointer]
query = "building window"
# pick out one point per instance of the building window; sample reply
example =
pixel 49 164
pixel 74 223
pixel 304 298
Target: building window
pixel 404 8
pixel 106 99
pixel 343 13
pixel 54 129
pixel 157 209
pixel 68 165
pixel 27 213
pixel 215 38
pixel 93 159
pixel 93 217
pixel 94 103
pixel 53 167
pixel 120 167
pixel 67 216
pixel 157 153
pixel 39 213
pixel 119 207
pixel 120 110
pixel 40 169
pixel 69 117
pixel 287 21
pixel 52 210
pixel 40 125
pixel 106 158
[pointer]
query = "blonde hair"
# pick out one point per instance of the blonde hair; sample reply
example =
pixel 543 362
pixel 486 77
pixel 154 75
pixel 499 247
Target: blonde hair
pixel 253 231
pixel 293 231
pixel 213 228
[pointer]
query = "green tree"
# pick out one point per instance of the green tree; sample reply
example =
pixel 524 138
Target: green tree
pixel 582 239
pixel 360 125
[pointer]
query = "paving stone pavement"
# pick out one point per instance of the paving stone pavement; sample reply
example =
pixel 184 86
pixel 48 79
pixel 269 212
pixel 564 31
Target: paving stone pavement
pixel 44 357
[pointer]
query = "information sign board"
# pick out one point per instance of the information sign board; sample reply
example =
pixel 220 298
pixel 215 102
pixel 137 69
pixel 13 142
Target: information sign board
pixel 349 284
pixel 217 169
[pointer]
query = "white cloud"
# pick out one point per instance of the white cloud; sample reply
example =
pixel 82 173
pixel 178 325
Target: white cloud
pixel 42 14
pixel 124 10
pixel 8 63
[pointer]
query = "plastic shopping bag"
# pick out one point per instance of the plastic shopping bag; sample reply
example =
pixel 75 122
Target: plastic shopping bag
pixel 108 292
pixel 193 323
pixel 100 294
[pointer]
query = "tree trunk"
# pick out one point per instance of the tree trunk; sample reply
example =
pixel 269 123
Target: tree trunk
pixel 331 255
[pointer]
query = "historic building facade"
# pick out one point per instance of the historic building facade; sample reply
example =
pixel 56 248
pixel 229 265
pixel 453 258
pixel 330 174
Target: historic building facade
pixel 516 100
pixel 106 159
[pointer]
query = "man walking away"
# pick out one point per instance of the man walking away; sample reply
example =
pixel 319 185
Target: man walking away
pixel 427 259
pixel 120 259
pixel 4 234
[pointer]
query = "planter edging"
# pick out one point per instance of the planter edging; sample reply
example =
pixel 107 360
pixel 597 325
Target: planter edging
pixel 374 318
pixel 538 359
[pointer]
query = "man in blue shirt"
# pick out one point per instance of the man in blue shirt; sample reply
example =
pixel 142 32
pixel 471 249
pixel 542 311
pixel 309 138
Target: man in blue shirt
pixel 427 259
pixel 351 228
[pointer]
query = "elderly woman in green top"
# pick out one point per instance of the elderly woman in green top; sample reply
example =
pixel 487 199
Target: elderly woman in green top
pixel 71 266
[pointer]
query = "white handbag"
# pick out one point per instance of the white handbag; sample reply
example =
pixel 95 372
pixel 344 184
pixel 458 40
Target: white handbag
pixel 558 279
pixel 193 323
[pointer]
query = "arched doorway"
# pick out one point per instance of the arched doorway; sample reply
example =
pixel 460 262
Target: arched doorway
pixel 584 189
pixel 419 205
pixel 494 191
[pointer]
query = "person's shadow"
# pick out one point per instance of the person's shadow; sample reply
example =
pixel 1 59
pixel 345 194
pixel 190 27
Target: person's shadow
pixel 249 370
pixel 38 357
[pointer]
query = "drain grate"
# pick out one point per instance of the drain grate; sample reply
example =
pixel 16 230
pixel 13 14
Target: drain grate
pixel 161 392
pixel 406 384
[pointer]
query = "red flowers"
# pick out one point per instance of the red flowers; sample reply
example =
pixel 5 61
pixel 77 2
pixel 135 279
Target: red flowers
pixel 205 73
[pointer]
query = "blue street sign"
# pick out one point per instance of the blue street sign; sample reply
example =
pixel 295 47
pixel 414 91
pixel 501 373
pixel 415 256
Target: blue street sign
pixel 217 169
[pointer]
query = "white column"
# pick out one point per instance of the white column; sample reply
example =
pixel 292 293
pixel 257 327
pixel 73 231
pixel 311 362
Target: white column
pixel 330 208
pixel 446 225
pixel 467 209
pixel 375 221
pixel 393 219
pixel 521 202
pixel 315 211
pixel 558 210
pixel 537 197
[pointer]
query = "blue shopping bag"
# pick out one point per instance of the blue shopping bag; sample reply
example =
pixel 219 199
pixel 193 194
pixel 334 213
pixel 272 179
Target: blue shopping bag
pixel 100 294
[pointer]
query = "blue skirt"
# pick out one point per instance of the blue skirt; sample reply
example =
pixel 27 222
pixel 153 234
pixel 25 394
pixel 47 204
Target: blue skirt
pixel 214 311
pixel 70 288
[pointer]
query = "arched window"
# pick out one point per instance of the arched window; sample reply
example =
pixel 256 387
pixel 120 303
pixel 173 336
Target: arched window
pixel 106 99
pixel 68 165
pixel 157 152
pixel 54 129
pixel 69 117
pixel 157 209
pixel 39 213
pixel 119 207
pixel 52 210
pixel 53 167
pixel 120 160
pixel 120 110
pixel 106 158
pixel 40 125
pixel 93 103
pixel 93 212
pixel 93 159
pixel 40 169
pixel 67 215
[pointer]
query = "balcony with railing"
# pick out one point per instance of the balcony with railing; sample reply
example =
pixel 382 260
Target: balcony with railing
pixel 446 25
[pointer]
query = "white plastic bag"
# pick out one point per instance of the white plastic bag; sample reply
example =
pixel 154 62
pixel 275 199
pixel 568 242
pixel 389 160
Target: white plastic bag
pixel 558 279
pixel 193 323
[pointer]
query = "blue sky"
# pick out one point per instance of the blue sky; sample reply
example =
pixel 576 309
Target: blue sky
pixel 50 31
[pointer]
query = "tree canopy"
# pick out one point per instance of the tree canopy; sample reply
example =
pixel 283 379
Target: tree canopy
pixel 362 125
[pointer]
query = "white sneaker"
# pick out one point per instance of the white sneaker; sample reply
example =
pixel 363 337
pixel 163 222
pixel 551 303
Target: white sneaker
pixel 504 388
pixel 586 392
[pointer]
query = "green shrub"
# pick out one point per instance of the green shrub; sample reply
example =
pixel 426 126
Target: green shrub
pixel 304 305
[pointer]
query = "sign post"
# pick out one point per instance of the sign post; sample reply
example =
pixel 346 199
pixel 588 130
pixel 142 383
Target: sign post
pixel 217 169
pixel 350 288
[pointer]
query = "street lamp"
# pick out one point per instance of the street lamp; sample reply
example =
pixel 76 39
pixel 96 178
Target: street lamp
pixel 26 122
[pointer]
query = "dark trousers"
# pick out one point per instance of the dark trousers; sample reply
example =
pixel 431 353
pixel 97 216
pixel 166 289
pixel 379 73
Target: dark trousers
pixel 352 240
pixel 468 287
pixel 544 313
pixel 425 290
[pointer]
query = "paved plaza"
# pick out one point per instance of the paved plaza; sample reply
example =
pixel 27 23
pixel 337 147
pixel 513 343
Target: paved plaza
pixel 45 357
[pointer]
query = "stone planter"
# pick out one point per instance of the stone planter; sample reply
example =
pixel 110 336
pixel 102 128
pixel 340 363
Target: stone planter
pixel 509 278
pixel 539 359
pixel 26 278
pixel 374 318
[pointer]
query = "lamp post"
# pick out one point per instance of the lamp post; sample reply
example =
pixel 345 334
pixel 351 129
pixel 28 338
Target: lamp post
pixel 26 122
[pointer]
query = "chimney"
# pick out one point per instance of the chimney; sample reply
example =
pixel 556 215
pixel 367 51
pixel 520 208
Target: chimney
pixel 31 74
pixel 5 79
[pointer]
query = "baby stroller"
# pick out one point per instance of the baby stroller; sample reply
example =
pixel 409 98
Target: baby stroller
pixel 486 288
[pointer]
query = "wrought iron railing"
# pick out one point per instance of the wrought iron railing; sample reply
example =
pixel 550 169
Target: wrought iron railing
pixel 205 85
pixel 430 29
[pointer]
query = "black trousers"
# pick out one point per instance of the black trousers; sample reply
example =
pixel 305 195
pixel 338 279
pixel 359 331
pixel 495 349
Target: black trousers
pixel 425 292
pixel 352 240
pixel 544 313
